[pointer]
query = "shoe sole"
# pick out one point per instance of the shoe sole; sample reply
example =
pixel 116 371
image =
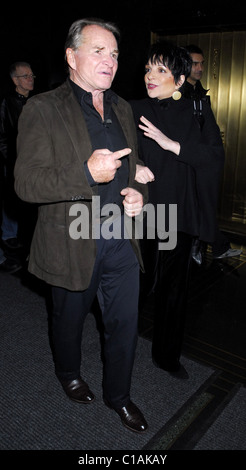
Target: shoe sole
pixel 11 271
pixel 80 401
pixel 124 424
pixel 132 429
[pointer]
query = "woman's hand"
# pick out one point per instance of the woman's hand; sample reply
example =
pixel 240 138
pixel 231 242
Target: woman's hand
pixel 143 174
pixel 133 201
pixel 161 139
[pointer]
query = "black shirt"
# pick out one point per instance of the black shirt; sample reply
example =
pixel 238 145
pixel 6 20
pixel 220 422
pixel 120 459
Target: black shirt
pixel 108 134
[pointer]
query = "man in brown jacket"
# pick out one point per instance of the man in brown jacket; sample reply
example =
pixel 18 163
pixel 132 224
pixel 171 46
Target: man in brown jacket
pixel 77 156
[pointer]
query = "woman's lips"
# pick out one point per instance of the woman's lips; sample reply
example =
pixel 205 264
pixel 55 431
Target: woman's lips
pixel 151 86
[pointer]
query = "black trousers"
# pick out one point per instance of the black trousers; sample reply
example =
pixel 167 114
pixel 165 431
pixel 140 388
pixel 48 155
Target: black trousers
pixel 167 273
pixel 115 281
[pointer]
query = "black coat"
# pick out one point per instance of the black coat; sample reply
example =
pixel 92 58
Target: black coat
pixel 190 180
pixel 10 110
pixel 197 93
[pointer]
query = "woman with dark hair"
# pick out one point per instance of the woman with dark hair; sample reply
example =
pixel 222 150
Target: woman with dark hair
pixel 185 162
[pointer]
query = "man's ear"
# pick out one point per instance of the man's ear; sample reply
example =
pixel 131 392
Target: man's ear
pixel 70 58
pixel 15 80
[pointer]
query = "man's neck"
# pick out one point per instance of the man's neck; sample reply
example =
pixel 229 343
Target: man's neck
pixel 22 92
pixel 192 82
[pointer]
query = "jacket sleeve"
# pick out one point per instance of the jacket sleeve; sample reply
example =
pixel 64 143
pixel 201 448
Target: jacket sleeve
pixel 3 134
pixel 47 168
pixel 205 148
pixel 205 153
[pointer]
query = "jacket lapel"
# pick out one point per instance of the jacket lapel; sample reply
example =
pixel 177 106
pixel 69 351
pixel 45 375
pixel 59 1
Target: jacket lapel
pixel 74 123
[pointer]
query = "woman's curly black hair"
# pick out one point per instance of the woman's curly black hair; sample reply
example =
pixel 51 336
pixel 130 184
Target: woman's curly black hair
pixel 176 58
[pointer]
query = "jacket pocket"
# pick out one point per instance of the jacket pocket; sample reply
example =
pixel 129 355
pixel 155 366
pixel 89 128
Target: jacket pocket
pixel 50 247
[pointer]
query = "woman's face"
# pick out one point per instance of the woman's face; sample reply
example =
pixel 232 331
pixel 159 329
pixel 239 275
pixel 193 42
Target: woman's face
pixel 159 81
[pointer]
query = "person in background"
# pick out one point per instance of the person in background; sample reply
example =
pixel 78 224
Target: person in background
pixel 75 143
pixel 186 163
pixel 14 217
pixel 193 89
pixel 6 265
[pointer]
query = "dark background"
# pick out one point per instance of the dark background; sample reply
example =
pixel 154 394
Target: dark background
pixel 36 33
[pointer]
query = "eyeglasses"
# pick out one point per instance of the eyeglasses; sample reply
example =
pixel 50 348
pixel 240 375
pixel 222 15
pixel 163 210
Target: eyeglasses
pixel 25 76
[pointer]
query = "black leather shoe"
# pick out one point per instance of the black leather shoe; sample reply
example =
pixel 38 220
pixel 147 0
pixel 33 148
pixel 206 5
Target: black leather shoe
pixel 10 266
pixel 78 390
pixel 131 417
pixel 12 243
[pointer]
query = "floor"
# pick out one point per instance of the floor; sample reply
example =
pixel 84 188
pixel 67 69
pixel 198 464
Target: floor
pixel 215 333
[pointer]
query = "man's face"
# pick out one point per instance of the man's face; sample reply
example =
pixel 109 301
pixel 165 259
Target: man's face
pixel 94 64
pixel 24 80
pixel 197 67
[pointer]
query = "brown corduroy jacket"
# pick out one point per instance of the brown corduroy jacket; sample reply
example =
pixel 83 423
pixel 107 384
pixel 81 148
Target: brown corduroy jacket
pixel 53 144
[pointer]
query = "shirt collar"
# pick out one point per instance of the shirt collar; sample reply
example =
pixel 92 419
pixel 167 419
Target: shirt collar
pixel 82 95
pixel 20 96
